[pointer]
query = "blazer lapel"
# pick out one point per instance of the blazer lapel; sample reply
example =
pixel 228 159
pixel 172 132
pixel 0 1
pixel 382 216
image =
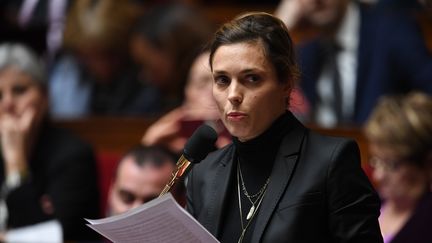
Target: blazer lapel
pixel 218 195
pixel 285 162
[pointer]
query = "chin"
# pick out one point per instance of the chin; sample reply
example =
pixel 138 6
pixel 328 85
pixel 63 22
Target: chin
pixel 237 132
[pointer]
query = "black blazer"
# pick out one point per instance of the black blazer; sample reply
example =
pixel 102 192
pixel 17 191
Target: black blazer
pixel 63 167
pixel 318 192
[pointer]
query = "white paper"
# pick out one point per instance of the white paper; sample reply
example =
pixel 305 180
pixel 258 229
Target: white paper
pixel 161 220
pixel 46 232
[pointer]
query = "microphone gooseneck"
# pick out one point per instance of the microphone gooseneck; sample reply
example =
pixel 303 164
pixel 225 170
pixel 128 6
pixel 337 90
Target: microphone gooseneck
pixel 196 149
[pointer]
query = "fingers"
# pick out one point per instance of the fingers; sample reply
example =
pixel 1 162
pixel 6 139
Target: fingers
pixel 15 132
pixel 26 120
pixel 164 128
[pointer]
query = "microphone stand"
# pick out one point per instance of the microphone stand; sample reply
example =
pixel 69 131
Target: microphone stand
pixel 182 166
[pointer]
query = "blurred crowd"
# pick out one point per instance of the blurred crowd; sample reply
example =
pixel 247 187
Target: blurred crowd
pixel 64 59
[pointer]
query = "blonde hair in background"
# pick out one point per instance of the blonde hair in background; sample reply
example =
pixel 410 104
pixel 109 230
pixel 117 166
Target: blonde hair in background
pixel 105 22
pixel 404 124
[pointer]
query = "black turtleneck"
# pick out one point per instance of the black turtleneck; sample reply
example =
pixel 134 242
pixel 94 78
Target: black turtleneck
pixel 256 158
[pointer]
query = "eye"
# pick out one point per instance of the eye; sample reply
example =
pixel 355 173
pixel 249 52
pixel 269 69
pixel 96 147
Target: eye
pixel 253 78
pixel 126 197
pixel 19 89
pixel 221 80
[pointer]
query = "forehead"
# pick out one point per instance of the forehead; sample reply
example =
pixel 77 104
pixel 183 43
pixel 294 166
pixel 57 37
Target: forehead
pixel 130 172
pixel 200 68
pixel 242 54
pixel 11 75
pixel 384 151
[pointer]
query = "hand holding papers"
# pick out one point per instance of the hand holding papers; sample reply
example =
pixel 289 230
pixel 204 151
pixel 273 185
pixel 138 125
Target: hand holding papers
pixel 161 220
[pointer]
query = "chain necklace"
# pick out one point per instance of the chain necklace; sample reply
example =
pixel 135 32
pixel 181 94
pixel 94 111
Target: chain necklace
pixel 255 204
pixel 257 195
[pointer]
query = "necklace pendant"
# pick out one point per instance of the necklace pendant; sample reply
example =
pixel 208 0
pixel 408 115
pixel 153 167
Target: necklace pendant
pixel 251 212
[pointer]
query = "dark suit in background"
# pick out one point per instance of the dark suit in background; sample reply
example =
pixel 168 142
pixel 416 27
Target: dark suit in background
pixel 392 58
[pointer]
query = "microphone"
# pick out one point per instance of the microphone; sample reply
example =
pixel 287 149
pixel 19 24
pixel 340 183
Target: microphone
pixel 196 149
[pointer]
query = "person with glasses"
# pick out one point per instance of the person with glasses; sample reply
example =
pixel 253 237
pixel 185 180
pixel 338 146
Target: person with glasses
pixel 400 137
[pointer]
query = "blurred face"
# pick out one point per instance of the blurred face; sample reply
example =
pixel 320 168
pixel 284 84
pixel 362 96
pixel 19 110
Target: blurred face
pixel 323 13
pixel 135 185
pixel 155 66
pixel 246 89
pixel 19 93
pixel 100 62
pixel 397 180
pixel 198 91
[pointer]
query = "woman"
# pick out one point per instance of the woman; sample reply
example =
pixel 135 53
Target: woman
pixel 164 44
pixel 46 173
pixel 94 74
pixel 173 129
pixel 277 181
pixel 400 137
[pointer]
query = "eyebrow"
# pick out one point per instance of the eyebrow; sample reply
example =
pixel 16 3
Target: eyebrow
pixel 219 72
pixel 249 70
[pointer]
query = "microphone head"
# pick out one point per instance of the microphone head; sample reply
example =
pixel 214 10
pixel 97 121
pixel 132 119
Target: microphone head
pixel 200 144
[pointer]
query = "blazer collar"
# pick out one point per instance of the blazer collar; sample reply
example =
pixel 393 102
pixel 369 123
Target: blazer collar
pixel 285 162
pixel 220 190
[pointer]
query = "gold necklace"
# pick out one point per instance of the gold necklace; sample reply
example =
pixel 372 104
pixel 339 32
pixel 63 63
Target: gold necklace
pixel 253 209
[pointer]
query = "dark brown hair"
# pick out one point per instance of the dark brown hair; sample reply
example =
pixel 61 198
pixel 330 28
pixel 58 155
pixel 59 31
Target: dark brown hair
pixel 264 28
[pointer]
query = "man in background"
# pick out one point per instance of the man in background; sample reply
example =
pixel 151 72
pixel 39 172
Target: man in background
pixel 140 177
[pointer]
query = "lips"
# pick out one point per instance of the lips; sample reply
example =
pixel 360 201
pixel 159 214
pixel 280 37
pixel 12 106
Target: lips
pixel 236 116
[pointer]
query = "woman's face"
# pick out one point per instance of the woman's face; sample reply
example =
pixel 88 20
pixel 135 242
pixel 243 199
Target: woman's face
pixel 156 66
pixel 246 89
pixel 397 180
pixel 20 93
pixel 198 90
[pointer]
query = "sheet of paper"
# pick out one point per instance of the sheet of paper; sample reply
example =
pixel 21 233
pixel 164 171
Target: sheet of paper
pixel 161 220
pixel 48 232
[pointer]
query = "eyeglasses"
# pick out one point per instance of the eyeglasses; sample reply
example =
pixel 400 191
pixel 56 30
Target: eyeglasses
pixel 388 165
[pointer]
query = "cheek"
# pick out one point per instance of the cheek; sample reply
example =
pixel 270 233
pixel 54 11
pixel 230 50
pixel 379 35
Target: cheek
pixel 219 98
pixel 402 182
pixel 270 103
pixel 410 178
pixel 33 100
pixel 24 102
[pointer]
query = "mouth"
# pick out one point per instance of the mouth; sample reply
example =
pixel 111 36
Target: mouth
pixel 236 116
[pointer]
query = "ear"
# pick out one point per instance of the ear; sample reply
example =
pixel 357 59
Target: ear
pixel 287 88
pixel 286 91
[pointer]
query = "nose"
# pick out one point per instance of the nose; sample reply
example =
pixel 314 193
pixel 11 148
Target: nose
pixel 136 203
pixel 235 95
pixel 379 174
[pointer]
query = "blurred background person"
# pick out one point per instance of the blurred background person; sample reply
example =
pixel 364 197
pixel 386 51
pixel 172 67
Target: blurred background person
pixel 357 53
pixel 94 75
pixel 400 136
pixel 175 128
pixel 140 177
pixel 46 173
pixel 165 42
